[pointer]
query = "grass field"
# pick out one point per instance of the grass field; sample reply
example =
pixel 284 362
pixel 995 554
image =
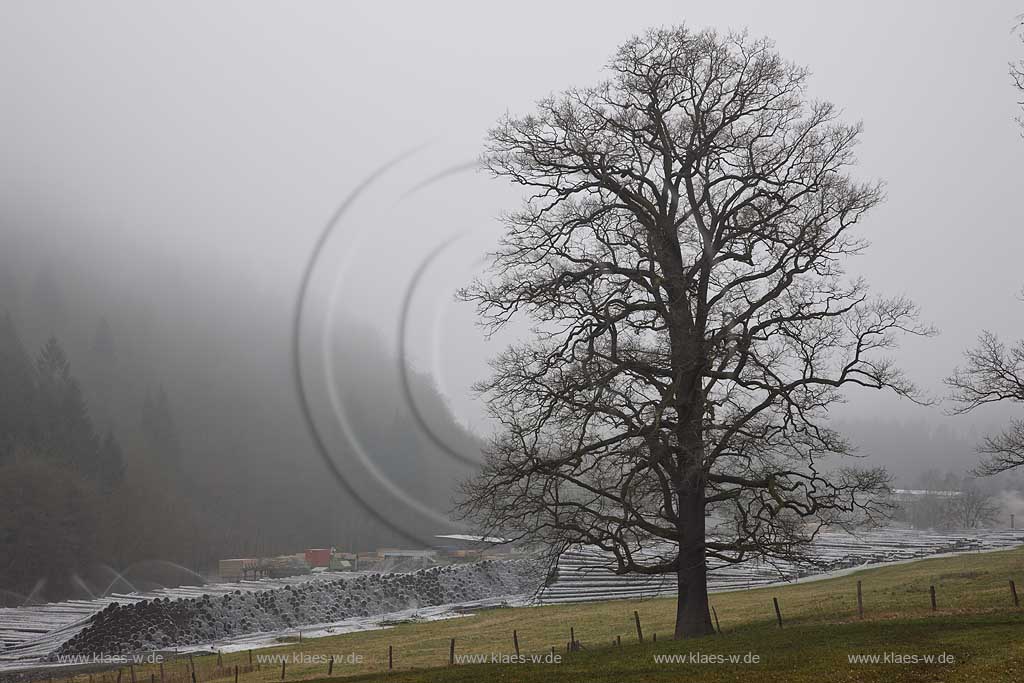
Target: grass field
pixel 976 624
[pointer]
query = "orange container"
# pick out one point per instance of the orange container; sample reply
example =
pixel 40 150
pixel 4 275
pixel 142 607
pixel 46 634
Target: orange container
pixel 318 557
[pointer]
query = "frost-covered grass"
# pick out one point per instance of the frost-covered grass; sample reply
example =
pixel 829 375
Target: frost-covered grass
pixel 976 623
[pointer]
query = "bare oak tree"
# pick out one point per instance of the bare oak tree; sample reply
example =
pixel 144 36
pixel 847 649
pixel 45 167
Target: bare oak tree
pixel 994 373
pixel 680 254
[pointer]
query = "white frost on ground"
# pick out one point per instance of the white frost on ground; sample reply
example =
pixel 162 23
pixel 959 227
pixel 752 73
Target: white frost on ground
pixel 165 624
pixel 584 574
pixel 29 634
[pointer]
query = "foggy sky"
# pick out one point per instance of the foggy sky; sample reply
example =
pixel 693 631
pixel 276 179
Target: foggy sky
pixel 182 158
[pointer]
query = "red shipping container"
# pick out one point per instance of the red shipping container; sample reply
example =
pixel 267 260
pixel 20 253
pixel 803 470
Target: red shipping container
pixel 318 557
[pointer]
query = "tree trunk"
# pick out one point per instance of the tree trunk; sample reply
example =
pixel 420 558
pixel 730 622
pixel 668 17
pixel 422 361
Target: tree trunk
pixel 693 618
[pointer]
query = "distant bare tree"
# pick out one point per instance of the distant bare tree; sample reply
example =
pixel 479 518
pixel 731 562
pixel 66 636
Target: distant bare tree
pixel 994 373
pixel 681 255
pixel 972 508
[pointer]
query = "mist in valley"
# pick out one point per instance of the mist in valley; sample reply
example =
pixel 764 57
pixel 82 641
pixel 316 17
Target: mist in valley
pixel 167 175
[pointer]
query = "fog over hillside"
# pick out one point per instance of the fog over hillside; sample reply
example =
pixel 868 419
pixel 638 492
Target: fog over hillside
pixel 167 174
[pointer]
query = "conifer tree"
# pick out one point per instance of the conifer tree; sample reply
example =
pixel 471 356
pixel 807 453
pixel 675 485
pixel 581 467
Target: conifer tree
pixel 18 389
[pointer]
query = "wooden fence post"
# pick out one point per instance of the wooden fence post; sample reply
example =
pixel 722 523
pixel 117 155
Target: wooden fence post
pixel 250 657
pixel 161 673
pixel 639 631
pixel 778 612
pixel 330 665
pixel 931 590
pixel 391 661
pixel 1013 591
pixel 618 640
pixel 860 601
pixel 515 641
pixel 718 627
pixel 451 653
pixel 236 673
pixel 282 669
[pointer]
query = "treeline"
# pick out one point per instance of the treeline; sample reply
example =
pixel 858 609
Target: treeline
pixel 43 413
pixel 69 504
pixel 947 500
pixel 200 451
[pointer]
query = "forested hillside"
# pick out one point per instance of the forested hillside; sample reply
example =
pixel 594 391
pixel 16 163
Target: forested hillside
pixel 117 456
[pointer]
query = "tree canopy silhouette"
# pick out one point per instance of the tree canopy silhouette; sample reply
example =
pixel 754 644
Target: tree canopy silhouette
pixel 681 254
